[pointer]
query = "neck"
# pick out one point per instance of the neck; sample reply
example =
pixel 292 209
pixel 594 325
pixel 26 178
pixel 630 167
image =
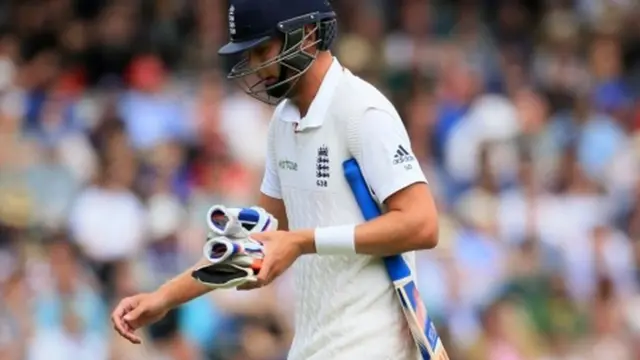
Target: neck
pixel 309 84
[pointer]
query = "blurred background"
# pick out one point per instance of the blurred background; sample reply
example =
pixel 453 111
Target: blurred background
pixel 118 131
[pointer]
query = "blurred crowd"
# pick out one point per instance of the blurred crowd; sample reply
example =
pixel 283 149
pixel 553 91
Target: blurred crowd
pixel 118 130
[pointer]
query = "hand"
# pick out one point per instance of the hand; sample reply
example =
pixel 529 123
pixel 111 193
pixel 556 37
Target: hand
pixel 281 249
pixel 135 312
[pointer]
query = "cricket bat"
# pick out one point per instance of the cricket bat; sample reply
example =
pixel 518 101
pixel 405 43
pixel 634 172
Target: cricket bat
pixel 421 326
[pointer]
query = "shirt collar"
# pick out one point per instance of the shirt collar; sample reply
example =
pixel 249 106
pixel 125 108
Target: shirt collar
pixel 287 111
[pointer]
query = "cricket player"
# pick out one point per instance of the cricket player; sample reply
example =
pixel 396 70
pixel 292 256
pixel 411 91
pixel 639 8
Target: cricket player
pixel 346 308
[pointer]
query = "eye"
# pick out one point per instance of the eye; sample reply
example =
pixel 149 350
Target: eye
pixel 261 50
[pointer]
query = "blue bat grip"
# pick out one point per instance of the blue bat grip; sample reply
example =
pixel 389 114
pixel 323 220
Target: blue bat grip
pixel 395 264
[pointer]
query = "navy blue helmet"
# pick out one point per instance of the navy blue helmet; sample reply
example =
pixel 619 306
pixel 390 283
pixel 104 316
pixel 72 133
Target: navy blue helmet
pixel 255 22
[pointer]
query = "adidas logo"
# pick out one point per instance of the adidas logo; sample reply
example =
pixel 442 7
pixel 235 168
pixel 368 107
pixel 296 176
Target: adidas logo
pixel 402 156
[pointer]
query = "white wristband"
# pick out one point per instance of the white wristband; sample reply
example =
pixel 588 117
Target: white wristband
pixel 336 240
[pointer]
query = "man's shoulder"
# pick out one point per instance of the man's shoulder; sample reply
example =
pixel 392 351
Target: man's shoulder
pixel 362 87
pixel 358 93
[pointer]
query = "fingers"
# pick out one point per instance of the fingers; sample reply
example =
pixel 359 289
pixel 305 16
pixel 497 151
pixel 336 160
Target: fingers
pixel 120 325
pixel 259 237
pixel 268 273
pixel 265 271
pixel 130 335
pixel 262 236
pixel 133 317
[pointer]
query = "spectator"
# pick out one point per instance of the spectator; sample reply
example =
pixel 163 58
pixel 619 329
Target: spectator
pixel 108 220
pixel 69 312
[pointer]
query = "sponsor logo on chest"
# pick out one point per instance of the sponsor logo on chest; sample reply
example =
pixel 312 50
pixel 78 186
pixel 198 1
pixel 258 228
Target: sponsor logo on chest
pixel 288 165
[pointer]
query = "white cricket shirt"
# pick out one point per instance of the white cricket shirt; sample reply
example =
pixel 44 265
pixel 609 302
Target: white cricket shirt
pixel 346 308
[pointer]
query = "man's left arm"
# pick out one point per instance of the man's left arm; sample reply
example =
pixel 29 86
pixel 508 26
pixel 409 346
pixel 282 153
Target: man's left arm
pixel 393 173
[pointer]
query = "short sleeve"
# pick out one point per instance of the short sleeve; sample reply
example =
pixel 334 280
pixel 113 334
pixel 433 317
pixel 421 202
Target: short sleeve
pixel 270 181
pixel 384 153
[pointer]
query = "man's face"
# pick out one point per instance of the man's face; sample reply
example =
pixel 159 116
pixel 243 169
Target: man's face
pixel 262 54
pixel 273 73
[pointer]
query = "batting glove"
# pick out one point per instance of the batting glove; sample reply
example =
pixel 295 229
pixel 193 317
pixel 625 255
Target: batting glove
pixel 235 258
pixel 239 222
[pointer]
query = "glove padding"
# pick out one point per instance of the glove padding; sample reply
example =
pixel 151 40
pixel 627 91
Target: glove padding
pixel 239 222
pixel 235 258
